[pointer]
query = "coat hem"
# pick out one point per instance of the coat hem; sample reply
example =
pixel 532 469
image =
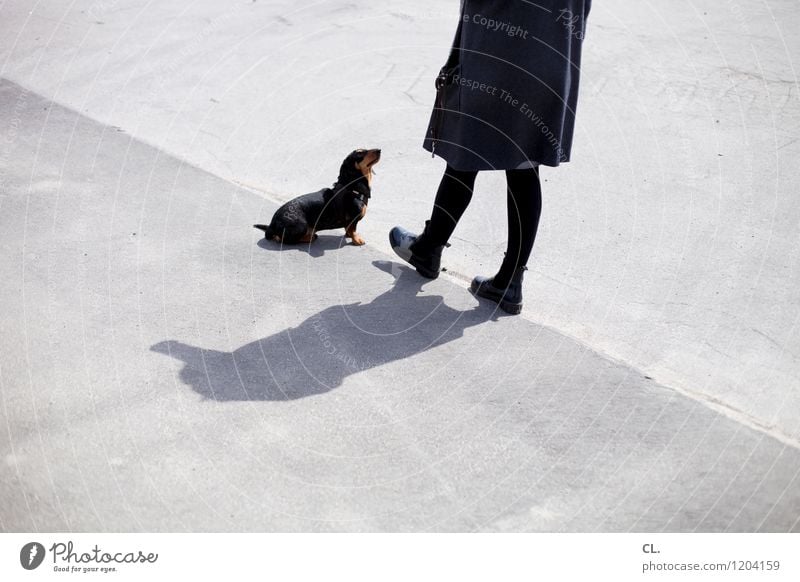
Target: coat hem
pixel 488 167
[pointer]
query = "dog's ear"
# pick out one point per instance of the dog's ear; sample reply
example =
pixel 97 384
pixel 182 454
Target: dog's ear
pixel 349 171
pixel 357 156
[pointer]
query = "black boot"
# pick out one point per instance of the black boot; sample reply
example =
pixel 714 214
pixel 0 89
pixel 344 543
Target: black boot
pixel 417 250
pixel 509 297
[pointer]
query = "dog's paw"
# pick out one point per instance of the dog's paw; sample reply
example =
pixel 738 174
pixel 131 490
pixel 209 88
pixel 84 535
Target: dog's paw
pixel 358 241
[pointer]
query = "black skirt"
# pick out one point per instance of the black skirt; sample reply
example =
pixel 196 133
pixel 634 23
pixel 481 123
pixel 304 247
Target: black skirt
pixel 508 93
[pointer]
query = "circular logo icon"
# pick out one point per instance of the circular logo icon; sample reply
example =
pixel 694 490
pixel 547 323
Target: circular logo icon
pixel 31 555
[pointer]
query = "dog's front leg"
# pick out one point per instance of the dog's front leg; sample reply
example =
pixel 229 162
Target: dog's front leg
pixel 350 232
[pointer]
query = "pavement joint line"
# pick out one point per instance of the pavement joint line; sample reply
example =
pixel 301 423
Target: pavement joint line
pixel 454 277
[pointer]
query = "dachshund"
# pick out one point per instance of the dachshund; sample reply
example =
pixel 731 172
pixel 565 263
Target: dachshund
pixel 341 206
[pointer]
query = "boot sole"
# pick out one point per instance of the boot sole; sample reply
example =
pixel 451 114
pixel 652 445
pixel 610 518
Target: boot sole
pixel 408 257
pixel 507 306
pixel 421 269
pixel 427 273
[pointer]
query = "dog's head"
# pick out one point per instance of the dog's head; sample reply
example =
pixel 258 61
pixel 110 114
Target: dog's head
pixel 358 165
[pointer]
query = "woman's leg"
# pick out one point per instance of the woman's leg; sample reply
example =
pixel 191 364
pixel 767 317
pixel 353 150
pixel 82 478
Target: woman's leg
pixel 524 206
pixel 424 251
pixel 452 198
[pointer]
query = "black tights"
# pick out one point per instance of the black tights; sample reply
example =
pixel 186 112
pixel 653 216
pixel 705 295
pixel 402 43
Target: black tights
pixel 523 203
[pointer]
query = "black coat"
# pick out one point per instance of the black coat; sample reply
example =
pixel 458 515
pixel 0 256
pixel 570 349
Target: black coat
pixel 510 86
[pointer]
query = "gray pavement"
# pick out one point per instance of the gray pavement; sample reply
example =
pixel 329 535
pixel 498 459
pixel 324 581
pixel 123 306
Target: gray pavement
pixel 670 242
pixel 161 369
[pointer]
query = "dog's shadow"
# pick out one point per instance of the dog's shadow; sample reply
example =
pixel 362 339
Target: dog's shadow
pixel 317 355
pixel 317 248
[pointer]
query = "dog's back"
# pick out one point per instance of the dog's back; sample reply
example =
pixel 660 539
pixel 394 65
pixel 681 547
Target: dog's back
pixel 292 222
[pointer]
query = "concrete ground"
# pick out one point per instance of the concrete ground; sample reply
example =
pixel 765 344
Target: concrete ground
pixel 163 369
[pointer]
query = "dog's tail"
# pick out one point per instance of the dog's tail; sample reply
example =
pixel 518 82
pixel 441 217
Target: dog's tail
pixel 267 228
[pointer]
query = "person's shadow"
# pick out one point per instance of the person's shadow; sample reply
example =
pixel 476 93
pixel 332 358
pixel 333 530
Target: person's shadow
pixel 321 352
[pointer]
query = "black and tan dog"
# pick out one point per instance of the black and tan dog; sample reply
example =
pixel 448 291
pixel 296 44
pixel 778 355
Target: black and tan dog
pixel 340 206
